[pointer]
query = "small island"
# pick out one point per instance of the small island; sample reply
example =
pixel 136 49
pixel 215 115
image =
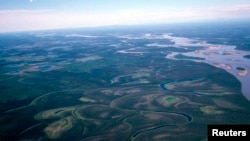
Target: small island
pixel 241 71
pixel 181 56
pixel 247 56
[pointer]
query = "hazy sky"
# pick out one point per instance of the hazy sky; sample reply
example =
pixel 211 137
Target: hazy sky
pixel 18 15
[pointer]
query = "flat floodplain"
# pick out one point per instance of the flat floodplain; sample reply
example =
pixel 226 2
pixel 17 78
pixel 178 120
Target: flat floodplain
pixel 127 83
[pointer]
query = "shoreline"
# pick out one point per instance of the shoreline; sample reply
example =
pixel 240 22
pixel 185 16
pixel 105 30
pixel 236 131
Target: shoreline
pixel 226 57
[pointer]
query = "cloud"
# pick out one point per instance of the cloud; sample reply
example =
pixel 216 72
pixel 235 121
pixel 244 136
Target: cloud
pixel 233 11
pixel 18 20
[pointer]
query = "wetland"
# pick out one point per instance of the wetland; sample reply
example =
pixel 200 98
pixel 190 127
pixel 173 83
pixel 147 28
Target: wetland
pixel 127 83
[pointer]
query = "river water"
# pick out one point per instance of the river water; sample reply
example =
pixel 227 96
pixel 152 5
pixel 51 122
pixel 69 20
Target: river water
pixel 222 56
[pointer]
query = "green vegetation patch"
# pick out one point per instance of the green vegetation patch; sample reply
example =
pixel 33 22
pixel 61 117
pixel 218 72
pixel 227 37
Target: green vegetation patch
pixel 170 99
pixel 210 110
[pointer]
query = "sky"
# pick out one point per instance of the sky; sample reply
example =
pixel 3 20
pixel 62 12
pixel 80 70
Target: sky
pixel 22 15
